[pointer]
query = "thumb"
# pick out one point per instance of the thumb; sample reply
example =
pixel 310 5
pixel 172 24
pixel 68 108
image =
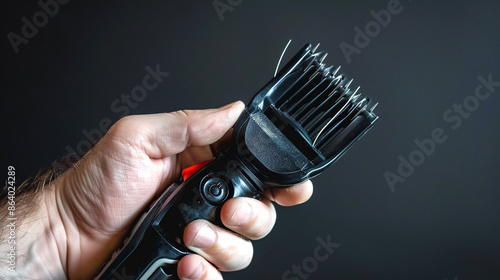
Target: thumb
pixel 163 135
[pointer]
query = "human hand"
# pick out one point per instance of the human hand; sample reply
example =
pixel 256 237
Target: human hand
pixel 83 215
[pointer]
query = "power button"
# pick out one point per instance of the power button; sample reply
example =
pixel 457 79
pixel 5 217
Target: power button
pixel 215 189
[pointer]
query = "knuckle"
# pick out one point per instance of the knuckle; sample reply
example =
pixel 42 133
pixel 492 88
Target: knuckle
pixel 126 127
pixel 236 257
pixel 261 223
pixel 261 231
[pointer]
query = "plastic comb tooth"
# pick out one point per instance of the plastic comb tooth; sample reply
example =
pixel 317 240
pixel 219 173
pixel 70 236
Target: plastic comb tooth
pixel 321 104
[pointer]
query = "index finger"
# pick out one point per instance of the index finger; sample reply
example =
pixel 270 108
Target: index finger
pixel 290 196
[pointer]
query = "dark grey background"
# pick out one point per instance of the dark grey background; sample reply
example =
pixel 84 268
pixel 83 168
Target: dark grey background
pixel 441 223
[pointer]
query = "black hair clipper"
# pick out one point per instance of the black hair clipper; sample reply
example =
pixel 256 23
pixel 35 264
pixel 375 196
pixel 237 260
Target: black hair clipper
pixel 297 125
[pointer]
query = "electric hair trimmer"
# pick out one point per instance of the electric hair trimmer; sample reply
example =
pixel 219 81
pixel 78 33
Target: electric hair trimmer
pixel 297 125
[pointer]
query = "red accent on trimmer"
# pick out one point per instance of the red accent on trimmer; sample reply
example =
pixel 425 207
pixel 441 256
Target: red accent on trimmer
pixel 187 172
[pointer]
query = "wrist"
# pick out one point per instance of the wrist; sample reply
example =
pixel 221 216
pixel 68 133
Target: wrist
pixel 39 241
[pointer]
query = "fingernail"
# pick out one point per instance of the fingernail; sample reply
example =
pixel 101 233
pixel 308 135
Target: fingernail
pixel 241 215
pixel 205 238
pixel 227 106
pixel 234 104
pixel 196 274
pixel 230 105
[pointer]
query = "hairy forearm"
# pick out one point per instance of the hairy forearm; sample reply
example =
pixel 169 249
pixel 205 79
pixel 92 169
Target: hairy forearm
pixel 36 246
pixel 30 245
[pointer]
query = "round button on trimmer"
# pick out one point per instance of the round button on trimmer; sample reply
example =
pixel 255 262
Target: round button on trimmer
pixel 215 190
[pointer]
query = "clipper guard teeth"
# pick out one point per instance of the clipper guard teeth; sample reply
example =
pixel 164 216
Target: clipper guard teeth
pixel 308 118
